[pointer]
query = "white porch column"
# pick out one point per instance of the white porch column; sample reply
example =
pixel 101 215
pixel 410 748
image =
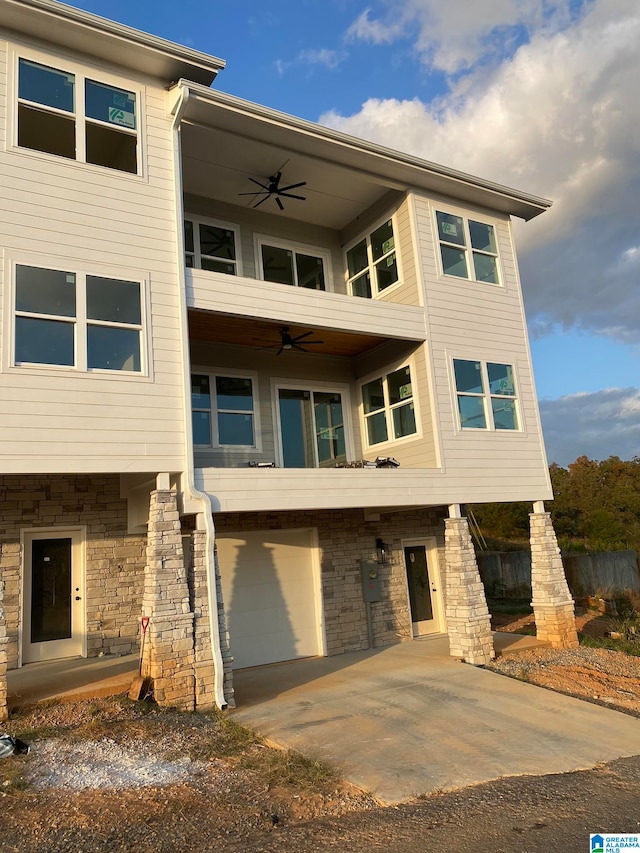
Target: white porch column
pixel 468 620
pixel 552 604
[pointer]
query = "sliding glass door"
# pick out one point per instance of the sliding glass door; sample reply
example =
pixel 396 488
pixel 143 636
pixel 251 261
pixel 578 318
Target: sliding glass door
pixel 312 433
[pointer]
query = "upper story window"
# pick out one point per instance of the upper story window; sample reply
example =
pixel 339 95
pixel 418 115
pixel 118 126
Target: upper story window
pixel 211 246
pixel 371 264
pixel 76 117
pixel 389 410
pixel 486 395
pixel 468 248
pixel 298 266
pixel 77 320
pixel 223 410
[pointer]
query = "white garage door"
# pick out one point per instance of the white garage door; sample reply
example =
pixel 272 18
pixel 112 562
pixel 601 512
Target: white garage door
pixel 270 595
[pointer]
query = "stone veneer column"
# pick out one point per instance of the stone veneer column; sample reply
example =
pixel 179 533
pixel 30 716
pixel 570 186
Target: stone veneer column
pixel 169 644
pixel 468 620
pixel 552 604
pixel 204 663
pixel 4 712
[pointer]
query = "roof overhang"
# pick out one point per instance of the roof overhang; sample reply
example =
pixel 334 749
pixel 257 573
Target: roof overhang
pixel 225 113
pixel 86 33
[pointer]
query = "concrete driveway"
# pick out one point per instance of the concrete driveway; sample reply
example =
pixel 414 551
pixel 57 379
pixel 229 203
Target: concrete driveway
pixel 409 720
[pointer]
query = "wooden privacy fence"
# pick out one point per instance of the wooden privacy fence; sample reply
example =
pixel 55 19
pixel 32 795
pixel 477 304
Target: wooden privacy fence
pixel 508 574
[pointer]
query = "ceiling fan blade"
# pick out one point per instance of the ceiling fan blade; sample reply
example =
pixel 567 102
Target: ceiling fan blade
pixel 303 335
pixel 256 192
pixel 291 195
pixel 293 186
pixel 306 343
pixel 262 200
pixel 279 203
pixel 280 350
pixel 297 346
pixel 260 184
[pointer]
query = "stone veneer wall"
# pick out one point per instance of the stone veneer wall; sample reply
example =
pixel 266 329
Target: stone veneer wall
pixel 114 562
pixel 345 538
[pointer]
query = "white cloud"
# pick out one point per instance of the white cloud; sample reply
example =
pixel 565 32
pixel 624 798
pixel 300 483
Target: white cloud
pixel 329 58
pixel 561 119
pixel 585 424
pixel 453 40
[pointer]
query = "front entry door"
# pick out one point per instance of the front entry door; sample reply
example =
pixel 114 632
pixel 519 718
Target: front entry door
pixel 424 600
pixel 53 616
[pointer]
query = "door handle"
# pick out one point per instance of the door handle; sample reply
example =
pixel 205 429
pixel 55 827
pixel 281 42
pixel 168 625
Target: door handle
pixel 77 598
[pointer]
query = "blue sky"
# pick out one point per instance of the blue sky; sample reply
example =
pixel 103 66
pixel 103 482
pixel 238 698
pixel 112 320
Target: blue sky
pixel 537 94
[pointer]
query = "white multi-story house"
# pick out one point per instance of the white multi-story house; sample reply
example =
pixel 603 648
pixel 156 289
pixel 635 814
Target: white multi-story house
pixel 251 371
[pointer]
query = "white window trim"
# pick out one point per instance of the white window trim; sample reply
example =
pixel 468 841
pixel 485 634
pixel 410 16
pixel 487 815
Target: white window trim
pixel 366 235
pixel 486 397
pixel 465 215
pixel 278 384
pixel 260 240
pixel 382 374
pixel 217 223
pixel 81 322
pixel 81 73
pixel 212 373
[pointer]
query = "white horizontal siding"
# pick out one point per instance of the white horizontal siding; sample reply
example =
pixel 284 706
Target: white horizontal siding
pixel 467 319
pixel 86 218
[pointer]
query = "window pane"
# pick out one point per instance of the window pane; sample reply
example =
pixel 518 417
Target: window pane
pixel 235 393
pixel 377 428
pixel 399 385
pixel 404 421
pixel 189 261
pixel 501 379
pixel 329 426
pixel 450 228
pixel 382 240
pixel 504 414
pixel 109 348
pixel 235 429
pixel 47 86
pixel 296 425
pixel 111 105
pixel 277 264
pixel 41 291
pixel 357 259
pixel 111 148
pixel 361 286
pixel 472 414
pixel 387 272
pixel 201 427
pixel 310 272
pixel 49 132
pixel 218 266
pixel 113 300
pixel 200 393
pixel 188 236
pixel 486 268
pixel 217 242
pixel 373 396
pixel 44 341
pixel 454 262
pixel 482 237
pixel 468 376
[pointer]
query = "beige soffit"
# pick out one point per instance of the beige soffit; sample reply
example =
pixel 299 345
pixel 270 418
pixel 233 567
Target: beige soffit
pixel 211 108
pixel 81 31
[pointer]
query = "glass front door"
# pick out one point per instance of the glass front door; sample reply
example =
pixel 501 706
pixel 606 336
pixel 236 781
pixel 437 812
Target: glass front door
pixel 53 606
pixel 311 428
pixel 423 591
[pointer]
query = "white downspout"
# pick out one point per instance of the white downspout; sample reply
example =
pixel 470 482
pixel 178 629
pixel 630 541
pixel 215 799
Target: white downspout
pixel 189 483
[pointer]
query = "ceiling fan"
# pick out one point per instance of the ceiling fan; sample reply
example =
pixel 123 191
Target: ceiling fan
pixel 273 189
pixel 289 341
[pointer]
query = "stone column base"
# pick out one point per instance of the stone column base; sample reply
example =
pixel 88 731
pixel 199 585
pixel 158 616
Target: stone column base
pixel 556 625
pixel 168 661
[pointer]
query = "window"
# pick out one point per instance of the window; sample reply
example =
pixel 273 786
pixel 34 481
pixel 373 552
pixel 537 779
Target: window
pixel 312 428
pixel 81 119
pixel 223 412
pixel 76 320
pixel 371 264
pixel 467 248
pixel 297 267
pixel 389 411
pixel 211 246
pixel 486 395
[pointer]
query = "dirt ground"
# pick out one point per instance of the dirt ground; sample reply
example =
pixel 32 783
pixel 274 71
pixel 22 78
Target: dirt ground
pixel 113 775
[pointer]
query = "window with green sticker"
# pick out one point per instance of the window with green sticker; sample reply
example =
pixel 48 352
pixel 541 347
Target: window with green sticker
pixel 372 265
pixel 388 407
pixel 468 248
pixel 486 395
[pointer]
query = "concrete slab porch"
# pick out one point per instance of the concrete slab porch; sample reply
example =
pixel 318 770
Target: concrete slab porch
pixel 408 720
